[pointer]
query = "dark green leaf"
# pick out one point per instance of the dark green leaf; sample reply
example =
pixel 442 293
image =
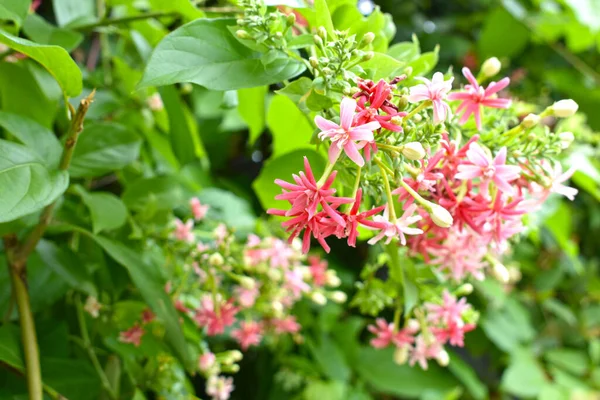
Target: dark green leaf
pixel 251 106
pixel 573 361
pixel 10 346
pixel 524 376
pixel 75 379
pixel 41 31
pixel 103 147
pixel 467 375
pixel 502 35
pixel 330 358
pixel 229 209
pixel 65 264
pixel 206 53
pixel 161 193
pixel 74 12
pixel 14 10
pixel 107 210
pixel 54 58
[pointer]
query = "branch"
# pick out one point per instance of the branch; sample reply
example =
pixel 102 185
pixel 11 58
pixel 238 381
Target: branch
pixel 125 20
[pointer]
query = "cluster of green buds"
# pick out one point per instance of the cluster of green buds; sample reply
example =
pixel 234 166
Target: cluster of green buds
pixel 339 54
pixel 267 28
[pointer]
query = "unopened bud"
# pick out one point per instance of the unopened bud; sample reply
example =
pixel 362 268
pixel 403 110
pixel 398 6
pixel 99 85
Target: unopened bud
pixel 339 297
pixel 413 151
pixel 566 138
pixel 322 32
pixel 368 55
pixel 318 40
pixel 327 71
pixel 464 290
pixel 401 355
pixel 515 274
pixel 491 67
pixel 440 216
pixel 332 279
pixel 277 307
pixel 408 71
pixel 530 121
pixel 240 22
pixel 413 325
pixel 396 120
pixel 313 62
pixel 291 19
pixel 443 358
pixel 318 298
pixel 367 39
pixel 247 283
pixel 274 274
pixel 500 272
pixel 564 108
pixel 242 34
pixel 155 102
pixel 216 259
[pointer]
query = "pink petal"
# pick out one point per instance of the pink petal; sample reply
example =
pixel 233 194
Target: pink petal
pixel 334 153
pixel 495 87
pixel 468 172
pixel 496 103
pixel 347 109
pixel 500 158
pixel 353 154
pixel 467 73
pixel 361 134
pixel 325 124
pixel 477 156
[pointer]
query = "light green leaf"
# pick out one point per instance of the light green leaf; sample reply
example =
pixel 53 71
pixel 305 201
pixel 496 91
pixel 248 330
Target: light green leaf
pixel 107 210
pixel 54 58
pixel 502 35
pixel 206 53
pixel 323 17
pixel 319 390
pixel 104 147
pixel 33 135
pixel 330 358
pixel 41 31
pixel 32 186
pixel 467 375
pixel 404 51
pixel 229 209
pixel 424 63
pixel 382 65
pixel 282 168
pixel 573 361
pixel 509 326
pixel 66 264
pixel 251 107
pixel 524 376
pixel 14 10
pixel 147 278
pixel 160 193
pixel 290 127
pixel 74 12
pixel 183 7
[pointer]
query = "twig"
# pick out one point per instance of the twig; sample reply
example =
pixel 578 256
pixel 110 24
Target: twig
pixel 125 20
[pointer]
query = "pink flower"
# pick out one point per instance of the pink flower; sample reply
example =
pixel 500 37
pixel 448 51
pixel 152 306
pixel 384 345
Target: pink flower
pixel 219 387
pixel 378 96
pixel 475 96
pixel 480 165
pixel 318 270
pixel 449 312
pixel 354 218
pixel 423 350
pixel 147 316
pixel 286 325
pixel 386 334
pixel 133 335
pixel 183 232
pixel 246 297
pixel 345 136
pixel 454 333
pixel 206 361
pixel 294 282
pixel 215 320
pixel 399 228
pixel 253 240
pixel 557 179
pixel 198 210
pixel 249 334
pixel 435 91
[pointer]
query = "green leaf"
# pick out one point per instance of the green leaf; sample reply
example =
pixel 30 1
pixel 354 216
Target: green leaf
pixel 184 139
pixel 33 135
pixel 160 193
pixel 382 65
pixel 14 10
pixel 573 361
pixel 377 367
pixel 282 168
pixel 107 210
pixel 290 127
pixel 524 376
pixel 323 17
pixel 147 278
pixel 104 147
pixel 55 59
pixel 65 264
pixel 183 7
pixel 10 346
pixel 502 35
pixel 508 327
pixel 32 186
pixel 229 209
pixel 319 390
pixel 74 12
pixel 73 378
pixel 298 91
pixel 206 53
pixel 251 106
pixel 467 375
pixel 330 358
pixel 424 63
pixel 41 31
pixel 404 51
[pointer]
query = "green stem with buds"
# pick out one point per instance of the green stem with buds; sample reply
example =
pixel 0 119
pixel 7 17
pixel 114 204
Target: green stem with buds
pixel 388 190
pixel 416 110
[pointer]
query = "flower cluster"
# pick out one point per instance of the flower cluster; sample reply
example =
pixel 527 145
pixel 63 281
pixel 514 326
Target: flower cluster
pixel 454 203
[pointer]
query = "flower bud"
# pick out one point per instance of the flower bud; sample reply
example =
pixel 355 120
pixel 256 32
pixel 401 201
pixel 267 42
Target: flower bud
pixel 206 361
pixel 440 216
pixel 491 67
pixel 327 71
pixel 443 358
pixel 290 19
pixel 515 274
pixel 155 102
pixel 566 138
pixel 274 274
pixel 417 118
pixel 232 356
pixel 464 290
pixel 564 108
pixel 332 279
pixel 339 297
pixel 216 259
pixel 408 71
pixel 500 272
pixel 313 62
pixel 247 283
pixel 322 32
pixel 530 121
pixel 240 21
pixel 368 55
pixel 401 355
pixel 367 39
pixel 318 298
pixel 242 34
pixel 277 307
pixel 413 325
pixel 318 40
pixel 396 120
pixel 413 151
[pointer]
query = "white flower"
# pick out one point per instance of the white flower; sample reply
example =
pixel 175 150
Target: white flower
pixel 491 67
pixel 564 108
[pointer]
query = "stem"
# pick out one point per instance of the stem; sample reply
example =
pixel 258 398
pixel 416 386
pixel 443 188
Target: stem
pixel 89 349
pixel 420 200
pixel 397 272
pixel 576 62
pixel 125 20
pixel 326 174
pixel 384 146
pixel 388 190
pixel 419 108
pixel 356 182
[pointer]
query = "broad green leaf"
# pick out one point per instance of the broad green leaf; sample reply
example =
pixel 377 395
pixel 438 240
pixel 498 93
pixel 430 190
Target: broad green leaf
pixel 330 358
pixel 65 264
pixel 424 63
pixel 33 135
pixel 104 147
pixel 206 53
pixel 290 127
pixel 467 375
pixel 382 65
pixel 298 91
pixel 18 85
pixel 323 18
pixel 524 376
pixel 229 209
pixel 107 210
pixel 75 379
pixel 377 367
pixel 54 58
pixel 508 327
pixel 319 390
pixel 41 31
pixel 251 106
pixel 74 12
pixel 404 51
pixel 502 35
pixel 573 361
pixel 282 168
pixel 32 186
pixel 183 7
pixel 147 278
pixel 10 346
pixel 160 193
pixel 14 10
